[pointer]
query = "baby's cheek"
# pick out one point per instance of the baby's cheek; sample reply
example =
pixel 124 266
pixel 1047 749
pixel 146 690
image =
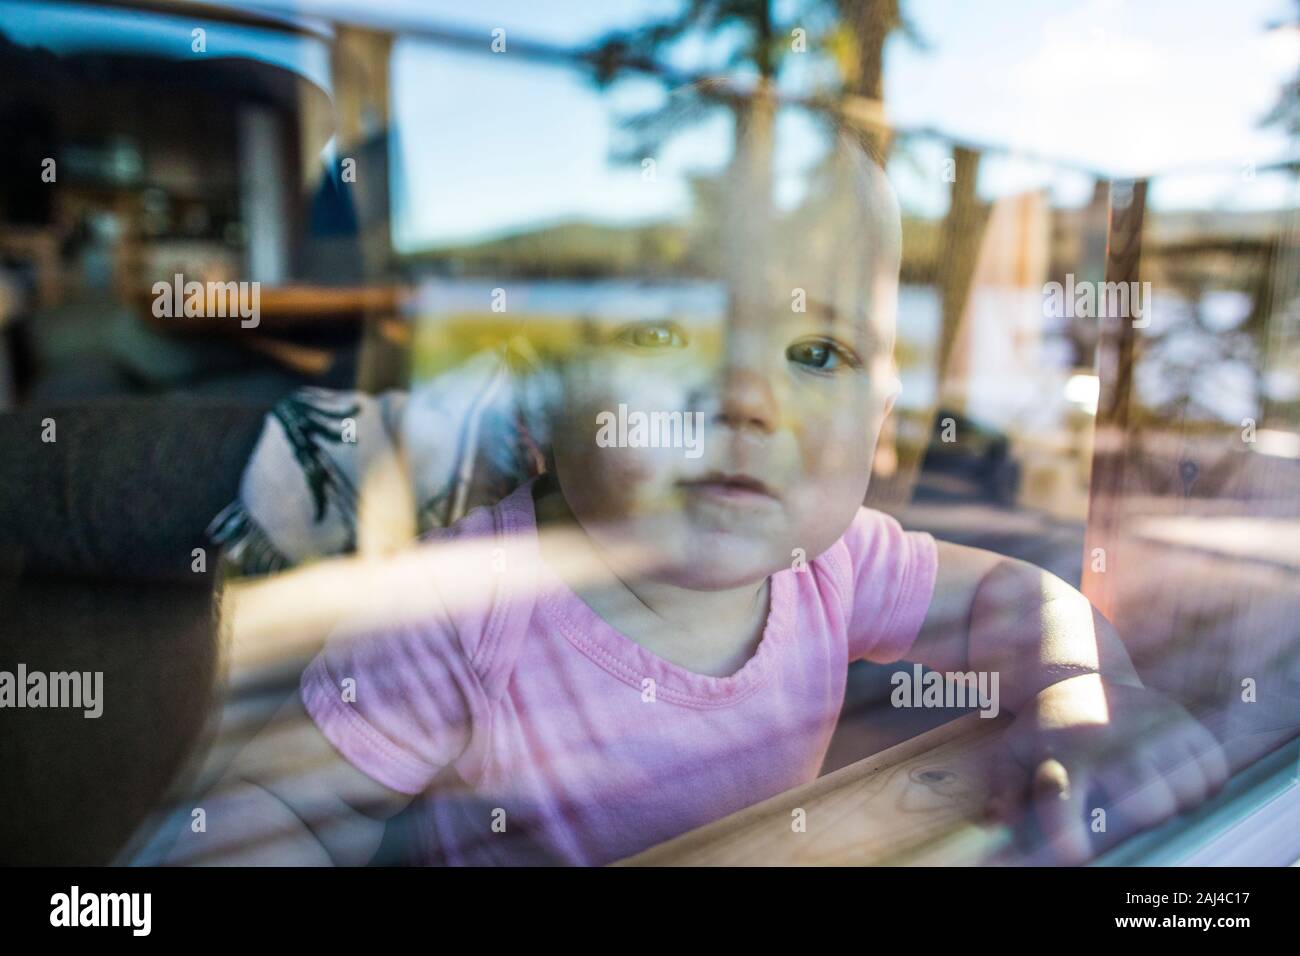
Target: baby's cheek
pixel 643 386
pixel 661 384
pixel 642 478
pixel 822 510
pixel 836 439
pixel 835 452
pixel 617 480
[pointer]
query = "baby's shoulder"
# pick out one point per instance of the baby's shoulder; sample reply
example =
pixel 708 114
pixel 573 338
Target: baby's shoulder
pixel 872 536
pixel 875 554
pixel 483 571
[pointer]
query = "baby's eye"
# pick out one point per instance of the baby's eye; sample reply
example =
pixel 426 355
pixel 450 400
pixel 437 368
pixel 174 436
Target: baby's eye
pixel 822 355
pixel 653 335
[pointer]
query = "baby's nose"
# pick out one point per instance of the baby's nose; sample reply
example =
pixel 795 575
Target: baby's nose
pixel 746 400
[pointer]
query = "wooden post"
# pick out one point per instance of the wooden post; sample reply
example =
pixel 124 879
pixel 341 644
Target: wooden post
pixel 361 66
pixel 1115 375
pixel 960 248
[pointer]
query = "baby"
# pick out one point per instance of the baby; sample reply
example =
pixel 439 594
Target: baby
pixel 649 637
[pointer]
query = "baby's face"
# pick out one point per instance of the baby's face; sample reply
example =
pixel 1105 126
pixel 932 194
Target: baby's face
pixel 778 405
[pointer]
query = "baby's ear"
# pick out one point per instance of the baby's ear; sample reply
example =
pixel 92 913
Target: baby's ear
pixel 893 388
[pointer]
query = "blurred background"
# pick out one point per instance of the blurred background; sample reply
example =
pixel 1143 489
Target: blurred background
pixel 381 168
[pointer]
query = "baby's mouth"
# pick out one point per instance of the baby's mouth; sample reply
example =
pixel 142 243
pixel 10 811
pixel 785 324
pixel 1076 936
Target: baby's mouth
pixel 730 487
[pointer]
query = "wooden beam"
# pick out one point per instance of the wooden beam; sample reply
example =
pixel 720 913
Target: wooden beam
pixel 962 232
pixel 1115 375
pixel 914 804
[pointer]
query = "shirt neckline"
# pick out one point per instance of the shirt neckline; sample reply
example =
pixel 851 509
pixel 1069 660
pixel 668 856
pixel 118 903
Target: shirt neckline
pixel 630 662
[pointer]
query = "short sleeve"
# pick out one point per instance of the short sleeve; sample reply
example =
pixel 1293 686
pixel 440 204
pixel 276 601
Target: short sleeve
pixel 399 705
pixel 892 574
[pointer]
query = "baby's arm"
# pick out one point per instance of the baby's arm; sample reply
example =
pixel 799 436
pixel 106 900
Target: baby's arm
pixel 290 799
pixel 1087 735
pixel 1000 615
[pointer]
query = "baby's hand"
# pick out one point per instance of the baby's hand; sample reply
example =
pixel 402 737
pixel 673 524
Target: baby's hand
pixel 1088 744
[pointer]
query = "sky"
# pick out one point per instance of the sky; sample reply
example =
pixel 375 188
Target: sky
pixel 486 142
pixel 1122 88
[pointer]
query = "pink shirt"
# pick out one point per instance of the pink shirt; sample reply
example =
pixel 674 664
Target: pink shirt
pixel 524 723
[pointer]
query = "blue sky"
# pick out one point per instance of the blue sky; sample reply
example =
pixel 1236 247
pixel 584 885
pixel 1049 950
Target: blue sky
pixel 1125 88
pixel 485 143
